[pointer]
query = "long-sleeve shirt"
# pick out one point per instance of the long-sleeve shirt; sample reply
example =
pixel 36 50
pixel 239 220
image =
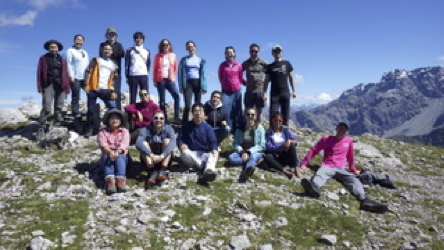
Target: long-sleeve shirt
pixel 198 136
pixel 230 76
pixel 149 135
pixel 118 140
pixel 147 110
pixel 271 144
pixel 336 152
pixel 77 60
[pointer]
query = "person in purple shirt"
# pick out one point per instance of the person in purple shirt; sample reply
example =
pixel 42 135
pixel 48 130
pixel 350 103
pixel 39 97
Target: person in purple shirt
pixel 337 150
pixel 230 77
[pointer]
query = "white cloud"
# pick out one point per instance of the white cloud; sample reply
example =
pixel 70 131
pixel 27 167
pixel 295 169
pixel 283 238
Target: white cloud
pixel 25 19
pixel 324 97
pixel 6 48
pixel 440 58
pixel 308 100
pixel 43 4
pixel 298 79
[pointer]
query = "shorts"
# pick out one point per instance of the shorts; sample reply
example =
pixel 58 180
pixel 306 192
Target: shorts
pixel 254 99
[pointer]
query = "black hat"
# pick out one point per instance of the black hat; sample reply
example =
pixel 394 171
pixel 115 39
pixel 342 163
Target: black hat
pixel 115 111
pixel 345 124
pixel 46 45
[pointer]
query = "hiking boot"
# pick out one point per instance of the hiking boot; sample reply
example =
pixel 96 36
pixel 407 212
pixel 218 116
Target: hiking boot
pixel 121 187
pixel 373 206
pixel 310 189
pixel 247 173
pixel 209 175
pixel 162 175
pixel 110 186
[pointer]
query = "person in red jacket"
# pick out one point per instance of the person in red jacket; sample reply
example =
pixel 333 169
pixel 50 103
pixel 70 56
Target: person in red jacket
pixel 141 113
pixel 52 81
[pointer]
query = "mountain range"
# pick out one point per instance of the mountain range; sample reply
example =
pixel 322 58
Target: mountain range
pixel 406 105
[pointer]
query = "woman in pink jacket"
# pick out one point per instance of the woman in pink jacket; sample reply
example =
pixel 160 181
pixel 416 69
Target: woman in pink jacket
pixel 164 76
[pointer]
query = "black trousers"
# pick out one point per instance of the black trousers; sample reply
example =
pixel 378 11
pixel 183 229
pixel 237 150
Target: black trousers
pixel 278 160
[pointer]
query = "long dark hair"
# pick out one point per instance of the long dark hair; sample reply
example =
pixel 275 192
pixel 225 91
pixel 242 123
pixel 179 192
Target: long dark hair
pixel 160 45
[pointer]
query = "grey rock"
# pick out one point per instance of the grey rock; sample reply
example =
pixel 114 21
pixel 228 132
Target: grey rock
pixel 40 243
pixel 188 244
pixel 120 229
pixel 37 233
pixel 408 246
pixel 11 117
pixel 240 242
pixel 328 239
pixel 30 109
pixel 281 222
pixel 266 247
pixel 144 218
pixel 332 196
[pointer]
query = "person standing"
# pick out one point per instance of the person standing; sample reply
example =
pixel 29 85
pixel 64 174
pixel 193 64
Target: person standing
pixel 77 59
pixel 280 73
pixel 99 77
pixel 118 54
pixel 255 71
pixel 52 81
pixel 191 78
pixel 230 77
pixel 164 76
pixel 337 150
pixel 137 66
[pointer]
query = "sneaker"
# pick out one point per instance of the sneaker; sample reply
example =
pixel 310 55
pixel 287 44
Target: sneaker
pixel 373 206
pixel 289 174
pixel 110 186
pixel 209 175
pixel 310 189
pixel 121 187
pixel 247 173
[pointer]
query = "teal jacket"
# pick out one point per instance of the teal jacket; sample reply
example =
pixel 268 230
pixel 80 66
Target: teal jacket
pixel 182 74
pixel 259 140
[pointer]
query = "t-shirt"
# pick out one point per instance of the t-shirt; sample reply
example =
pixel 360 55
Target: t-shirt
pixel 106 67
pixel 248 138
pixel 279 72
pixel 193 67
pixel 255 71
pixel 165 66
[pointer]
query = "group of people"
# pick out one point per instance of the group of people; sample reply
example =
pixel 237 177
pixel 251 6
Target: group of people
pixel 198 139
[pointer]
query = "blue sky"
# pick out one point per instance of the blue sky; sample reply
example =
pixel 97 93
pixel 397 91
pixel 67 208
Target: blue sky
pixel 333 45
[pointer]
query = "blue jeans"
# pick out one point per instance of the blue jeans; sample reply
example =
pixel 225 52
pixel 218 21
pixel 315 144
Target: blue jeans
pixel 75 97
pixel 236 159
pixel 172 88
pixel 92 99
pixel 115 168
pixel 232 102
pixel 135 83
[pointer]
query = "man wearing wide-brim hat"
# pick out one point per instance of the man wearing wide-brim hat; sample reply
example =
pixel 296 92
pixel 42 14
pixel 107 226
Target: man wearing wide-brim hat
pixel 52 81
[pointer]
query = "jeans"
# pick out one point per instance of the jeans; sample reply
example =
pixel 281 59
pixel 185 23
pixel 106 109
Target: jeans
pixel 92 99
pixel 236 159
pixel 75 97
pixel 115 168
pixel 232 102
pixel 52 93
pixel 135 82
pixel 192 86
pixel 172 88
pixel 221 133
pixel 281 100
pixel 118 90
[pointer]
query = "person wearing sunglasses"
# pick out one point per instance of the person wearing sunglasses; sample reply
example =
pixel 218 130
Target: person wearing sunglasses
pixel 137 66
pixel 164 76
pixel 52 81
pixel 254 68
pixel 192 79
pixel 281 145
pixel 198 145
pixel 140 114
pixel 338 151
pixel 117 55
pixel 77 59
pixel 230 77
pixel 248 145
pixel 156 143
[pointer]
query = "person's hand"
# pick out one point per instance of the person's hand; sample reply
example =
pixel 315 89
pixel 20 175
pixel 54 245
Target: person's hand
pixel 304 169
pixel 113 155
pixel 183 147
pixel 357 172
pixel 139 116
pixel 73 80
pixel 224 123
pixel 286 145
pixel 265 98
pixel 245 157
pixel 293 95
pixel 181 91
pixel 155 84
pixel 204 92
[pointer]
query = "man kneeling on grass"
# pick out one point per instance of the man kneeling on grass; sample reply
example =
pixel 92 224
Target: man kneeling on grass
pixel 337 149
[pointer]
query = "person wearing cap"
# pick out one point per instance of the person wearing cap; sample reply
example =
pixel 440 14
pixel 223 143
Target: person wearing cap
pixel 137 66
pixel 117 55
pixel 114 142
pixel 337 150
pixel 280 73
pixel 52 81
pixel 230 78
pixel 164 76
pixel 255 71
pixel 141 113
pixel 77 59
pixel 192 78
pixel 198 145
pixel 99 83
pixel 156 143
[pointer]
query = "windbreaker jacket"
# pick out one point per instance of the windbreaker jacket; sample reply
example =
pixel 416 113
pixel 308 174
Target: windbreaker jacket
pixel 215 115
pixel 92 75
pixel 158 64
pixel 42 75
pixel 182 76
pixel 129 64
pixel 270 144
pixel 148 134
pixel 259 140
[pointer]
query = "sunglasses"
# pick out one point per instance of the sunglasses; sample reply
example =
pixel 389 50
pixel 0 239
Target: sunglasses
pixel 250 114
pixel 165 44
pixel 254 51
pixel 143 94
pixel 278 120
pixel 216 96
pixel 159 118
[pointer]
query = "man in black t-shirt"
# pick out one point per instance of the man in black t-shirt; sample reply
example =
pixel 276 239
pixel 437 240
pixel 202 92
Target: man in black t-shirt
pixel 278 72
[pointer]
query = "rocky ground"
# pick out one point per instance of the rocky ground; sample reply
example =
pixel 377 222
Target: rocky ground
pixel 52 198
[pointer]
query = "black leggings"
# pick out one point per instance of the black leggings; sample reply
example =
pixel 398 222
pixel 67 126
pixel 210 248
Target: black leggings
pixel 278 160
pixel 192 86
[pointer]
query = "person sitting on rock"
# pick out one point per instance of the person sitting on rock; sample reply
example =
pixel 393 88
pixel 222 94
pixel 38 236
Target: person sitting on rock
pixel 337 149
pixel 216 116
pixel 156 143
pixel 198 145
pixel 248 145
pixel 281 145
pixel 140 113
pixel 114 142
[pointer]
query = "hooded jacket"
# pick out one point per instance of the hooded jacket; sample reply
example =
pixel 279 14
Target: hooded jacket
pixel 182 76
pixel 215 115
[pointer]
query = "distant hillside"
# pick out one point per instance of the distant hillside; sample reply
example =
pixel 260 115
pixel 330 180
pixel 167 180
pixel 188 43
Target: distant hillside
pixel 404 104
